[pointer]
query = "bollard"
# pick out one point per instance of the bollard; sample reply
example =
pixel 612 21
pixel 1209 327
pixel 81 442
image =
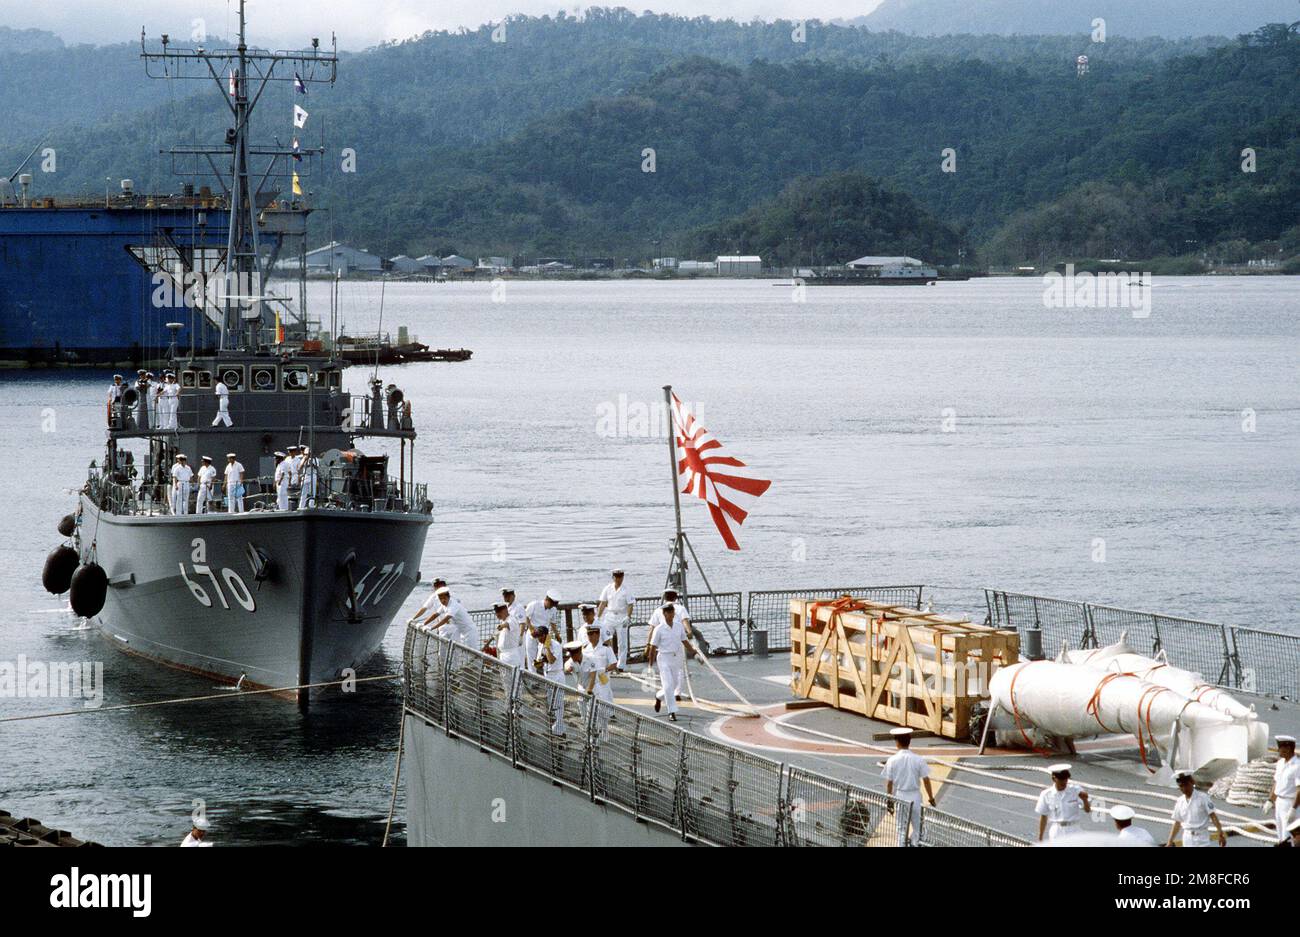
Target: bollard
pixel 758 642
pixel 1033 648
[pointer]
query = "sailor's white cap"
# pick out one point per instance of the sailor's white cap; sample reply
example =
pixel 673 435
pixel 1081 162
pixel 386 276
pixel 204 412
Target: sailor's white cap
pixel 1184 773
pixel 616 572
pixel 1285 738
pixel 180 455
pixel 507 591
pixel 668 592
pixel 206 458
pixel 573 645
pixel 201 823
pixel 230 455
pixel 499 605
pixel 900 732
pixel 443 590
pixel 1121 812
pixel 593 626
pixel 281 454
pixel 1062 768
pixel 553 595
pixel 586 607
pixel 291 448
pixel 117 377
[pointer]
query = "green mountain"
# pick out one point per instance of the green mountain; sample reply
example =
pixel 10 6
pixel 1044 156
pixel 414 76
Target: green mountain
pixel 1135 18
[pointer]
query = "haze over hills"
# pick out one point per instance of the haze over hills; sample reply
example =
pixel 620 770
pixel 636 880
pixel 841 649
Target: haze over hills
pixel 1131 18
pixel 536 145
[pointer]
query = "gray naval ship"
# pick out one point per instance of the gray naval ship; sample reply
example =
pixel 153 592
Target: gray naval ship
pixel 265 597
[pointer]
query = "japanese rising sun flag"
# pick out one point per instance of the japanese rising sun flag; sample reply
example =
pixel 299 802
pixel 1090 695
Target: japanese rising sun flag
pixel 701 464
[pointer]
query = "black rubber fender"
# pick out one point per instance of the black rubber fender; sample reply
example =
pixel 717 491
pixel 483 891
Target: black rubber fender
pixel 61 563
pixel 88 590
pixel 67 525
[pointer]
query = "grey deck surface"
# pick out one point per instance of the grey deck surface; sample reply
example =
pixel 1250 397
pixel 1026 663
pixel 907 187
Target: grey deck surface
pixel 1013 779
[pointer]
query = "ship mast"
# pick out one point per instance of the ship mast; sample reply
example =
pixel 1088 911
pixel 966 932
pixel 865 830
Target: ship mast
pixel 244 75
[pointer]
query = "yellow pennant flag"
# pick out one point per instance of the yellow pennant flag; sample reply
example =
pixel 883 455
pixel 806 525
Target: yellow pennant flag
pixel 297 186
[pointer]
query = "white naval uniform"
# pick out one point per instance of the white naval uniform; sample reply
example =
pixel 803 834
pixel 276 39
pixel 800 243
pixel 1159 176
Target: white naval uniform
pixel 181 475
pixel 510 641
pixel 1063 809
pixel 282 485
pixel 555 672
pixel 115 392
pixel 234 487
pixel 1286 776
pixel 223 404
pixel 597 659
pixel 671 660
pixel 907 769
pixel 189 840
pixel 617 618
pixel 536 614
pixel 155 406
pixel 683 618
pixel 458 627
pixel 1136 836
pixel 171 403
pixel 1194 814
pixel 207 474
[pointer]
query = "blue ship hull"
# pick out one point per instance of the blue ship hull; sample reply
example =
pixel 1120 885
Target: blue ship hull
pixel 71 293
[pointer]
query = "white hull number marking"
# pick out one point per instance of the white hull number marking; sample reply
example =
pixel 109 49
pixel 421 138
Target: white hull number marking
pixel 234 583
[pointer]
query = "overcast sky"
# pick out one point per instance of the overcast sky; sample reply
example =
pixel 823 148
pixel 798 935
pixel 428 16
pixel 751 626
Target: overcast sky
pixel 359 23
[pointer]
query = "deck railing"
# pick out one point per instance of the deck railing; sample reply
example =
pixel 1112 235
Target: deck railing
pixel 703 790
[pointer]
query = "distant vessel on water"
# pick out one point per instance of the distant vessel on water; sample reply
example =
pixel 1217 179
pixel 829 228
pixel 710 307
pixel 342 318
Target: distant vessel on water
pixel 298 578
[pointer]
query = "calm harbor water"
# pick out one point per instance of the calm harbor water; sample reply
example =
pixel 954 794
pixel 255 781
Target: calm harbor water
pixel 961 434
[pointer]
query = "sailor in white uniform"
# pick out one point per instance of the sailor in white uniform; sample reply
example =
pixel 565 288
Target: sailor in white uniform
pixel 294 461
pixel 1129 834
pixel 207 478
pixel 115 392
pixel 170 400
pixel 549 662
pixel 281 482
pixel 223 404
pixel 510 636
pixel 667 650
pixel 595 668
pixel 1286 786
pixel 615 613
pixel 905 772
pixel 156 418
pixel 1061 806
pixel 682 617
pixel 234 485
pixel 1193 812
pixel 198 833
pixel 181 475
pixel 452 620
pixel 537 613
pixel 308 471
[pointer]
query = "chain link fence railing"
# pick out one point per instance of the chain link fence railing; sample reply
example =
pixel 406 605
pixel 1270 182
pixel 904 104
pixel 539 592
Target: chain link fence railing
pixel 770 610
pixel 1262 662
pixel 946 829
pixel 703 789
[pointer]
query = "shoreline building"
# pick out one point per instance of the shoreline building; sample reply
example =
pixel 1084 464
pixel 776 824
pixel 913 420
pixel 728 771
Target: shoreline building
pixel 739 265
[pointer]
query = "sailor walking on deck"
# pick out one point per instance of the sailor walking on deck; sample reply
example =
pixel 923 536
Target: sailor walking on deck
pixel 683 619
pixel 181 475
pixel 549 662
pixel 309 471
pixel 667 650
pixel 281 482
pixel 1061 806
pixel 1193 812
pixel 905 772
pixel 223 404
pixel 1286 786
pixel 234 485
pixel 207 476
pixel 1129 834
pixel 615 612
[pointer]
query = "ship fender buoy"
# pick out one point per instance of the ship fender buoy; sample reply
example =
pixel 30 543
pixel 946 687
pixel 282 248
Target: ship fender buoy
pixel 61 563
pixel 88 590
pixel 67 525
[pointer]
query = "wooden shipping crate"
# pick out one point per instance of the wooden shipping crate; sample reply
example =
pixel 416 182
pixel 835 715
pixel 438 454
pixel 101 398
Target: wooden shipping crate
pixel 895 664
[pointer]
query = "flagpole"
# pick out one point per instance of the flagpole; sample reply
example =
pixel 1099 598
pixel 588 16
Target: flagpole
pixel 672 459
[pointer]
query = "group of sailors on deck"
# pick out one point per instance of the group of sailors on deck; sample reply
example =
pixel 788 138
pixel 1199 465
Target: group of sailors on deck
pixel 295 470
pixel 156 401
pixel 527 636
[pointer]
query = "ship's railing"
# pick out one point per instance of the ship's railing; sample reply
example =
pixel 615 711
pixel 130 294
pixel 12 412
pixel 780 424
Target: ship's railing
pixel 947 829
pixel 770 610
pixel 702 789
pixel 373 495
pixel 1262 662
pixel 321 409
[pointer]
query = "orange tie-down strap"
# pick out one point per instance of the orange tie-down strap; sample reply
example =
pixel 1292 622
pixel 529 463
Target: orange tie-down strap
pixel 1144 731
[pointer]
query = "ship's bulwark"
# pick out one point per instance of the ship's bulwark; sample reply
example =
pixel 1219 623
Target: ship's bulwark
pixel 183 590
